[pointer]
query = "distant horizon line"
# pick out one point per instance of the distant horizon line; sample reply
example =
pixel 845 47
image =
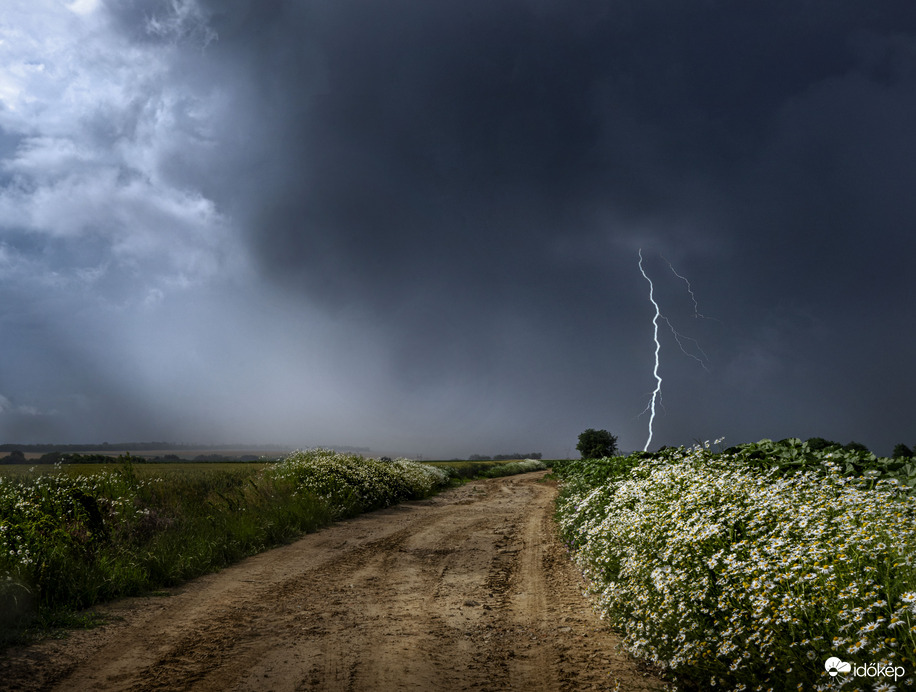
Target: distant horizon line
pixel 157 446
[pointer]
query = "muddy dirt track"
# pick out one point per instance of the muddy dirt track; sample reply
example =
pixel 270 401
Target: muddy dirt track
pixel 468 590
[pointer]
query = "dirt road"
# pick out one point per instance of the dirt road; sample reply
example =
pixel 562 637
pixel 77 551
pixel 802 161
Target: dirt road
pixel 469 590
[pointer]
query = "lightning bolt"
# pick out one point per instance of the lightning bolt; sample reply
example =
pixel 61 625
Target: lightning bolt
pixel 702 359
pixel 678 336
pixel 658 380
pixel 696 306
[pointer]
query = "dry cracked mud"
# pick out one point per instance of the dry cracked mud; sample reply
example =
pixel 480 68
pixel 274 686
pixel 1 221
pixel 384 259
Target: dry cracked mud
pixel 468 590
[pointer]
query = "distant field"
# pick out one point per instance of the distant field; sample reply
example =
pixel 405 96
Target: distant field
pixel 463 469
pixel 472 469
pixel 144 469
pixel 184 454
pixel 270 453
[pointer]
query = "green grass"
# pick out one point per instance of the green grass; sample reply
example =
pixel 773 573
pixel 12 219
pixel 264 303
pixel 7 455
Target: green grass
pixel 514 467
pixel 70 540
pixel 487 469
pixel 464 469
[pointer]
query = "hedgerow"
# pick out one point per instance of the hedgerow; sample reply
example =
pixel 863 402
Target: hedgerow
pixel 748 575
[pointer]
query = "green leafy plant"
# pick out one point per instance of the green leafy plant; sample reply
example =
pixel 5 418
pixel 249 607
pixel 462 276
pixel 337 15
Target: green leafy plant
pixel 748 569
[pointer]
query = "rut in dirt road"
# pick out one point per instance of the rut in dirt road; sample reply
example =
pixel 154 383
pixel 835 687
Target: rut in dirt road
pixel 469 590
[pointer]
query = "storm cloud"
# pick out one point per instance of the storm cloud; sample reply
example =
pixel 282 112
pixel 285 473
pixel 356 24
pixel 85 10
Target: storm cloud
pixel 414 226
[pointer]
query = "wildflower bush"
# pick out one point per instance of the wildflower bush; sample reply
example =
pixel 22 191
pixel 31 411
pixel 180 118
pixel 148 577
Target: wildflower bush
pixel 56 533
pixel 740 575
pixel 351 484
pixel 67 542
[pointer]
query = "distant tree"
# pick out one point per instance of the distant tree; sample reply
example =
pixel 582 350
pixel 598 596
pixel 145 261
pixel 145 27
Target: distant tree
pixel 14 457
pixel 853 446
pixel 594 444
pixel 816 444
pixel 902 450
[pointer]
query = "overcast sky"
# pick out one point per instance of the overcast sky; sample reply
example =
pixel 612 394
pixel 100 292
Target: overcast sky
pixel 415 226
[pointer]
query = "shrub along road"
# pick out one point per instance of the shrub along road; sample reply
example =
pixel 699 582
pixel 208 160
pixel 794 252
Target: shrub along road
pixel 468 590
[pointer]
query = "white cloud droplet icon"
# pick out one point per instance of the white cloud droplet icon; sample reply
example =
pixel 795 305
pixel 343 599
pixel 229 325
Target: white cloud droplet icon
pixel 833 665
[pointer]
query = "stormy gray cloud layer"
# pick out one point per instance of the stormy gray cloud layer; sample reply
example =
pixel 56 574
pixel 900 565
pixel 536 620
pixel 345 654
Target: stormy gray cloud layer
pixel 414 226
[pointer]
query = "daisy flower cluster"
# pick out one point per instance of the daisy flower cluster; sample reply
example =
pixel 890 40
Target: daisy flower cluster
pixel 351 483
pixel 739 577
pixel 48 512
pixel 52 521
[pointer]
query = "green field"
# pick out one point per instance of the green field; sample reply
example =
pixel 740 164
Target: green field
pixel 13 470
pixel 458 469
pixel 473 469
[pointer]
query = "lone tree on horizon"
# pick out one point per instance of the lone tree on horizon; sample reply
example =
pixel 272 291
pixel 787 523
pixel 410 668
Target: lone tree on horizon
pixel 594 444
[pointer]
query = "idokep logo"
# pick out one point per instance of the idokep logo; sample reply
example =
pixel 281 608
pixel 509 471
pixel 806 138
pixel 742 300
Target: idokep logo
pixel 834 666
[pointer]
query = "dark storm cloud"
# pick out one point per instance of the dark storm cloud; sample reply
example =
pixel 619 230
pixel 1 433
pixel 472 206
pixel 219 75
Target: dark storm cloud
pixel 444 167
pixel 434 208
pixel 432 140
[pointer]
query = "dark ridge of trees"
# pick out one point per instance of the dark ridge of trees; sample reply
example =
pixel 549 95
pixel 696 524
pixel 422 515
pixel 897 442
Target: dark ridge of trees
pixel 18 457
pixel 44 448
pixel 902 451
pixel 818 443
pixel 15 456
pixel 76 448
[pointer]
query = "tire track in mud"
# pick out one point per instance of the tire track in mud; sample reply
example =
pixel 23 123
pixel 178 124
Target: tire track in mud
pixel 468 590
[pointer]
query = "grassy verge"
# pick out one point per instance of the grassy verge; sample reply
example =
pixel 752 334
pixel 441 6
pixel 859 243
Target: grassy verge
pixel 513 467
pixel 464 470
pixel 745 573
pixel 467 470
pixel 70 541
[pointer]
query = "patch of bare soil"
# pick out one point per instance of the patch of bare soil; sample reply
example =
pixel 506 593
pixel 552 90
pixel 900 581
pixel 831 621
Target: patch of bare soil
pixel 468 590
